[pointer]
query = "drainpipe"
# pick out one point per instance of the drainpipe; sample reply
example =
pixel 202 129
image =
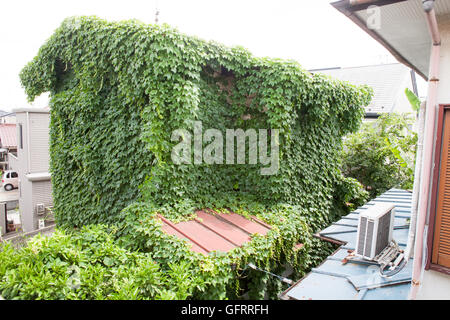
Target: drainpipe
pixel 428 6
pixel 416 187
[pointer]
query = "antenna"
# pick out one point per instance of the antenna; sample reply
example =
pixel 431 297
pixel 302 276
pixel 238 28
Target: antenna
pixel 156 12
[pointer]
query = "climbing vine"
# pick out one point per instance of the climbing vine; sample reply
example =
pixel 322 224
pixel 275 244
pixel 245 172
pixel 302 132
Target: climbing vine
pixel 120 89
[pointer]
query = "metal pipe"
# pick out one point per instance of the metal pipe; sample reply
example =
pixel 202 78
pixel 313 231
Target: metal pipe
pixel 417 174
pixel 432 23
pixel 433 80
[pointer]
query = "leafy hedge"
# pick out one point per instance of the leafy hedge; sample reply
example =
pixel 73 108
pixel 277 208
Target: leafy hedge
pixel 86 265
pixel 119 90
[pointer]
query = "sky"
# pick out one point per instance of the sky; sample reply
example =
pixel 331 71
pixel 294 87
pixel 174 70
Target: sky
pixel 310 32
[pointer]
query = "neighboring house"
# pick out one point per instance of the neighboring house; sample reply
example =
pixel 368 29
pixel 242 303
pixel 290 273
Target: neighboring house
pixel 8 143
pixel 7 117
pixel 417 33
pixel 33 166
pixel 388 81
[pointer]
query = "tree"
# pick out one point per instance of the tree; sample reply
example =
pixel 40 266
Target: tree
pixel 381 154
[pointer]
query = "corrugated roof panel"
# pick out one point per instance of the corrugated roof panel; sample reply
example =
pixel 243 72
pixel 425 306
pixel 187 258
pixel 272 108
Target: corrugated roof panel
pixel 323 287
pixel 215 232
pixel 395 292
pixel 195 247
pixel 8 135
pixel 204 237
pixel 244 224
pixel 226 230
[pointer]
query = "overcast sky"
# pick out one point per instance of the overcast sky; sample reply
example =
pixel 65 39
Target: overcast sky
pixel 310 32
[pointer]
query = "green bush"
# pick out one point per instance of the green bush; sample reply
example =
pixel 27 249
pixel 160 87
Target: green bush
pixel 86 264
pixel 381 154
pixel 119 90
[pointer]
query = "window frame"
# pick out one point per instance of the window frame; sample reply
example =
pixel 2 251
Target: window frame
pixel 429 265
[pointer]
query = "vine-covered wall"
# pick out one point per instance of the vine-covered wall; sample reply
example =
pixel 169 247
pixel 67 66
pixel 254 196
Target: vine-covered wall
pixel 118 92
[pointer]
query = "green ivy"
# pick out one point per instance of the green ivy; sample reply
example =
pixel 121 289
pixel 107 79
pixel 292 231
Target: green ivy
pixel 119 90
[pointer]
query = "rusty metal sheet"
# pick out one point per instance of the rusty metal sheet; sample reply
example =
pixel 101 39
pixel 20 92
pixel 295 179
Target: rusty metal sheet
pixel 227 230
pixel 244 224
pixel 204 237
pixel 216 232
pixel 195 247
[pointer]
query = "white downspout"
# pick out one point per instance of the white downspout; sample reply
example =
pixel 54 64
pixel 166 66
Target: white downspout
pixel 426 171
pixel 416 187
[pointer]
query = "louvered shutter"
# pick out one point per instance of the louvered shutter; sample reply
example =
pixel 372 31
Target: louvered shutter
pixel 441 238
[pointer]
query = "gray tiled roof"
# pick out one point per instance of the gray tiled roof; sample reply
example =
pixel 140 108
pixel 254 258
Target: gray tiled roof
pixel 387 81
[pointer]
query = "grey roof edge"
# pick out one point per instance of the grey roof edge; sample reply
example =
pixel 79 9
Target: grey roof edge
pixel 348 10
pixel 31 110
pixel 40 176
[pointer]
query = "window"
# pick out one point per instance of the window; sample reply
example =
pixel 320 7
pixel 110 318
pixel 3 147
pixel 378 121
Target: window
pixel 14 175
pixel 20 136
pixel 439 221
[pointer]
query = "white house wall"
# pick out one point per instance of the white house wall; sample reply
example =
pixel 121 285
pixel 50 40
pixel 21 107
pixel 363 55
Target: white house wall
pixel 436 285
pixel 39 154
pixel 33 158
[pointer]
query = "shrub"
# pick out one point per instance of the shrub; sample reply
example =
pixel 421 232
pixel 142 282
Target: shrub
pixel 381 154
pixel 85 264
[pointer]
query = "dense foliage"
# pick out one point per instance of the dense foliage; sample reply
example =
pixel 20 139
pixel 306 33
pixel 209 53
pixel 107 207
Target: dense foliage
pixel 86 265
pixel 118 92
pixel 381 154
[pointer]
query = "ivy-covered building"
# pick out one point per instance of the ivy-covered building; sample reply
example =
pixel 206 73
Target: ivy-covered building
pixel 119 91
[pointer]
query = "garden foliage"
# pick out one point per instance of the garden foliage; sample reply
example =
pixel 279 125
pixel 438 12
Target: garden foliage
pixel 381 155
pixel 119 90
pixel 86 265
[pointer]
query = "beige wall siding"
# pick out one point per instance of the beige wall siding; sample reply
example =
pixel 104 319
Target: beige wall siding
pixel 39 155
pixel 42 193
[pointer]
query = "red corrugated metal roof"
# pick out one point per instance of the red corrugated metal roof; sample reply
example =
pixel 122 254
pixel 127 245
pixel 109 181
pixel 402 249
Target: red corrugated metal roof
pixel 8 135
pixel 215 232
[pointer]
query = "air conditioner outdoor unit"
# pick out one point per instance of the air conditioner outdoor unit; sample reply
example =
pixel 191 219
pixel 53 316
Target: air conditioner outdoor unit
pixel 40 208
pixel 375 228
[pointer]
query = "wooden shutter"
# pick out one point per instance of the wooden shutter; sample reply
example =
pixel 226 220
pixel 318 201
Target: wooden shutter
pixel 441 238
